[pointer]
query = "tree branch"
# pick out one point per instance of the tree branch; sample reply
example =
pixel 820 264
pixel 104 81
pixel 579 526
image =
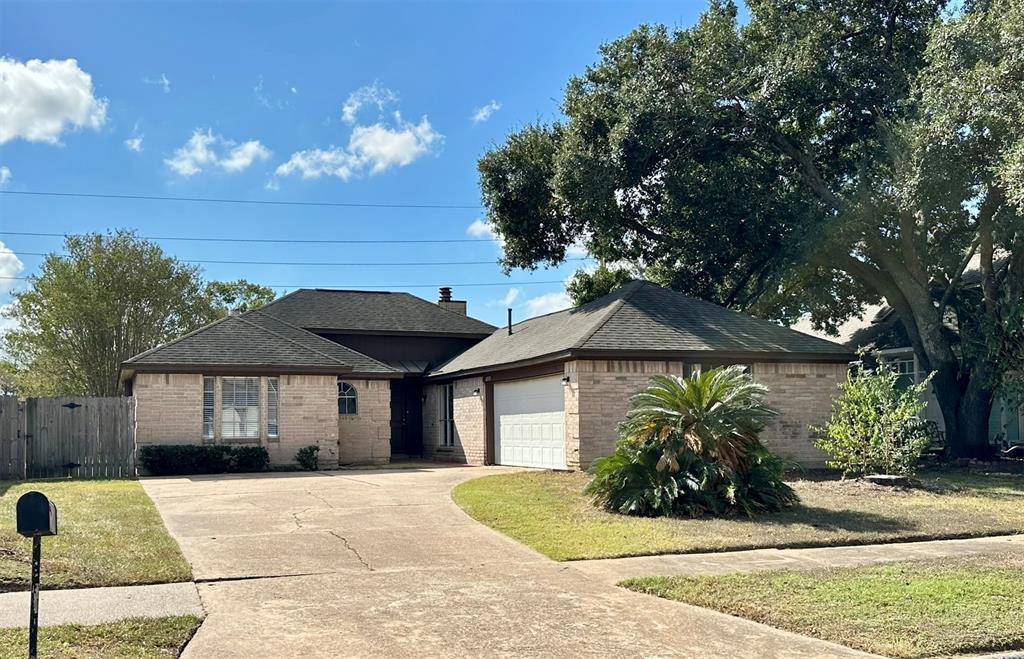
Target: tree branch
pixel 955 280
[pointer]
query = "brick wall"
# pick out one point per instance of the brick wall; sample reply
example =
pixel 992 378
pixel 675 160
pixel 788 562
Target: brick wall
pixel 597 400
pixel 803 395
pixel 169 410
pixel 470 423
pixel 365 438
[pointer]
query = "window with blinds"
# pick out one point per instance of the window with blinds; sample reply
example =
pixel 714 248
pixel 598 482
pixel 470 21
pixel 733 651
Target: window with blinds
pixel 240 408
pixel 208 383
pixel 272 398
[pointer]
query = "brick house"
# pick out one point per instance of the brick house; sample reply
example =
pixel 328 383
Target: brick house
pixel 368 376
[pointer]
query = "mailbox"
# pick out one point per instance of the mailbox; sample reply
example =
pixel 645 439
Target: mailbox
pixel 37 516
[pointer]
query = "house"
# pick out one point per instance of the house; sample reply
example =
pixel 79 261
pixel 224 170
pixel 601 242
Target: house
pixel 368 376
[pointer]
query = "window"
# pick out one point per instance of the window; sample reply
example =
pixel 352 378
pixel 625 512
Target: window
pixel 346 398
pixel 208 383
pixel 447 415
pixel 240 408
pixel 273 387
pixel 907 372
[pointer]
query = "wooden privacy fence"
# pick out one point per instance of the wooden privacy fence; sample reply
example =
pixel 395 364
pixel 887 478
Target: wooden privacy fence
pixel 74 436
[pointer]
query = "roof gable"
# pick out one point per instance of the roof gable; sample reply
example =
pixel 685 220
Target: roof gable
pixel 371 311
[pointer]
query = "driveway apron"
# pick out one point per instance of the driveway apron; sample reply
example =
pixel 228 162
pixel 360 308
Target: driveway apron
pixel 382 563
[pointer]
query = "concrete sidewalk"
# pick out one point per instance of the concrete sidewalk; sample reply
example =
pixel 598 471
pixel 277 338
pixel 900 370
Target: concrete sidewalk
pixel 614 570
pixel 93 606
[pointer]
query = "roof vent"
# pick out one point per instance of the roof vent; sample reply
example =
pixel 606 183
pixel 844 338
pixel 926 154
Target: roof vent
pixel 446 294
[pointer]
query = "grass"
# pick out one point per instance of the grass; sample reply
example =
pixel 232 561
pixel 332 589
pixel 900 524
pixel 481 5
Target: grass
pixel 548 512
pixel 109 534
pixel 913 609
pixel 138 638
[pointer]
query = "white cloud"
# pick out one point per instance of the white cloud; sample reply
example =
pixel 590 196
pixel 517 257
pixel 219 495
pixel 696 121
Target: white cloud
pixel 10 266
pixel 371 149
pixel 294 90
pixel 577 251
pixel 547 303
pixel 484 112
pixel 510 297
pixel 205 149
pixel 134 143
pixel 375 94
pixel 161 82
pixel 5 176
pixel 481 229
pixel 40 100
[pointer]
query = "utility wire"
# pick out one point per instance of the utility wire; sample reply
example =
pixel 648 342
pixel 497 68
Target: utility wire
pixel 258 202
pixel 263 240
pixel 323 263
pixel 360 286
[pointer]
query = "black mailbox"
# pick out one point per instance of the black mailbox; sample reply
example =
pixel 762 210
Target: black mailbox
pixel 37 516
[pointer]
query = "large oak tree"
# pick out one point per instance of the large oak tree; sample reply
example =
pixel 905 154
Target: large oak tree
pixel 826 155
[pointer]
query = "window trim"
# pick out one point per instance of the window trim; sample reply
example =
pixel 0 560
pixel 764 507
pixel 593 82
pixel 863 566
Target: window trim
pixel 351 394
pixel 250 435
pixel 273 410
pixel 209 409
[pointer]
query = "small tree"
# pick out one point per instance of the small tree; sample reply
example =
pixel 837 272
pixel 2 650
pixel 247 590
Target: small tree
pixel 689 446
pixel 875 425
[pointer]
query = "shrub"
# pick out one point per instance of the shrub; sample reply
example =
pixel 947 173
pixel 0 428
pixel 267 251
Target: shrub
pixel 307 457
pixel 179 459
pixel 875 427
pixel 689 446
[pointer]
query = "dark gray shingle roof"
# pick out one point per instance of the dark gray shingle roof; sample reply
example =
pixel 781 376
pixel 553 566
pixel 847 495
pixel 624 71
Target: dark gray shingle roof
pixel 256 340
pixel 370 311
pixel 641 317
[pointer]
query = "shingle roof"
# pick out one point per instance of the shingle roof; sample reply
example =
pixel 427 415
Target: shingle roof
pixel 257 340
pixel 641 317
pixel 371 311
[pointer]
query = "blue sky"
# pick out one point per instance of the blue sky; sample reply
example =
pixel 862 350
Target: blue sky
pixel 378 103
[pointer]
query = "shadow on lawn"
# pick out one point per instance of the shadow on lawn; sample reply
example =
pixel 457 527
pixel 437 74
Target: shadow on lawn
pixel 827 519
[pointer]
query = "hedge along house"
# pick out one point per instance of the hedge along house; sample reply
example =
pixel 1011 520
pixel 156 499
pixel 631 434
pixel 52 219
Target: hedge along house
pixel 367 376
pixel 550 391
pixel 339 369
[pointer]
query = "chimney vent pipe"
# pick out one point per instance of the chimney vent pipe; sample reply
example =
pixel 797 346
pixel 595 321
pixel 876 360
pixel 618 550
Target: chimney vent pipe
pixel 510 321
pixel 446 294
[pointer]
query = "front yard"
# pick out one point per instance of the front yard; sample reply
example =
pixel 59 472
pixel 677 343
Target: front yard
pixel 548 512
pixel 109 534
pixel 136 638
pixel 914 609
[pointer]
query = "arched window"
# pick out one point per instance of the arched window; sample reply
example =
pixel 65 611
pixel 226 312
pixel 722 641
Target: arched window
pixel 346 398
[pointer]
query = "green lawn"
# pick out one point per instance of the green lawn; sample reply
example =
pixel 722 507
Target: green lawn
pixel 109 534
pixel 919 609
pixel 136 638
pixel 547 511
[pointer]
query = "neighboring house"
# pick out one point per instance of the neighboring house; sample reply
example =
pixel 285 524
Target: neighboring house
pixel 367 376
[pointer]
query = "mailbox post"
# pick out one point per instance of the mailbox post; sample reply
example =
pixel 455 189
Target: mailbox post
pixel 37 516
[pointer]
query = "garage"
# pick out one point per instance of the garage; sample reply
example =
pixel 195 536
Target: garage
pixel 529 423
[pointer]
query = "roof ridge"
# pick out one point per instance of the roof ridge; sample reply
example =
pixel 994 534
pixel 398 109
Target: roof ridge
pixel 177 340
pixel 614 308
pixel 293 341
pixel 321 339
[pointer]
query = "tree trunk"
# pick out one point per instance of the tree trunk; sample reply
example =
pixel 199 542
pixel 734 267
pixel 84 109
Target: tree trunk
pixel 965 408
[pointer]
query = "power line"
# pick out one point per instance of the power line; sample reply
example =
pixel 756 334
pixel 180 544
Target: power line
pixel 258 202
pixel 315 263
pixel 468 285
pixel 264 240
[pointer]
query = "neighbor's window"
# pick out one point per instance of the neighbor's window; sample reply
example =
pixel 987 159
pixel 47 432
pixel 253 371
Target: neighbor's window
pixel 208 383
pixel 346 398
pixel 273 388
pixel 448 415
pixel 907 372
pixel 240 408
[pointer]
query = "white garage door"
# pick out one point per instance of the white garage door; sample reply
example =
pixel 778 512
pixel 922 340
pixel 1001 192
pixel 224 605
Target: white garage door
pixel 529 420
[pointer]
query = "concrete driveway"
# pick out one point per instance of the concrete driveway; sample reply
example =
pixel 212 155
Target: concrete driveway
pixel 381 562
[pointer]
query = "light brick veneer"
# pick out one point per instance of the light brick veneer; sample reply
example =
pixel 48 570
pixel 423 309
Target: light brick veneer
pixel 597 400
pixel 169 410
pixel 365 438
pixel 470 423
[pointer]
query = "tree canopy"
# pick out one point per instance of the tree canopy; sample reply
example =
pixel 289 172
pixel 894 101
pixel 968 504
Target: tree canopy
pixel 108 298
pixel 821 157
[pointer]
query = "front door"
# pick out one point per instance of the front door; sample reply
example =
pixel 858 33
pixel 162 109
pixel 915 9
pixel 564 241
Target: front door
pixel 406 417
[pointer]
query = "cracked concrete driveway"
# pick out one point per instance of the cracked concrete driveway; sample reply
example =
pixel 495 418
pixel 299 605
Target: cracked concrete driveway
pixel 381 562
